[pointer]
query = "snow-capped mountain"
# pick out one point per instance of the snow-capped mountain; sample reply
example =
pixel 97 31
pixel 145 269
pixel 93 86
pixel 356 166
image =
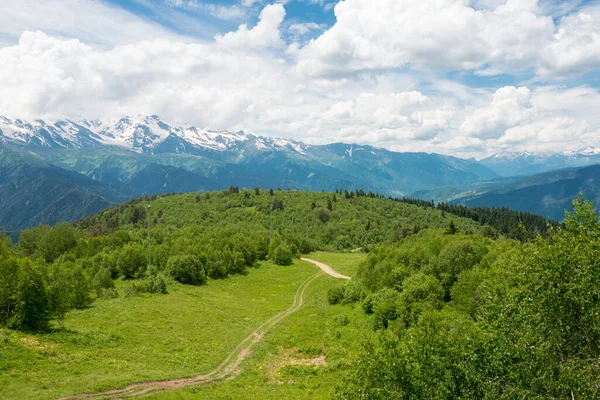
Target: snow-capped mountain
pixel 528 163
pixel 142 134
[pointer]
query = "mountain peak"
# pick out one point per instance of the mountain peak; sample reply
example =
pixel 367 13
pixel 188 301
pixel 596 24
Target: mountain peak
pixel 140 133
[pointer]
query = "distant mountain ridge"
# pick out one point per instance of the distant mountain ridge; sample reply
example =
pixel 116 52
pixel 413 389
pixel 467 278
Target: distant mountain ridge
pixel 34 192
pixel 141 134
pixel 528 163
pixel 549 194
pixel 265 161
pixel 145 155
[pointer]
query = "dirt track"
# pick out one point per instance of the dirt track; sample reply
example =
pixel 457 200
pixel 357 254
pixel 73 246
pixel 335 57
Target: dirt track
pixel 326 268
pixel 228 369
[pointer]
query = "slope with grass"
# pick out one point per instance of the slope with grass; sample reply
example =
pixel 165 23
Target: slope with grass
pixel 124 340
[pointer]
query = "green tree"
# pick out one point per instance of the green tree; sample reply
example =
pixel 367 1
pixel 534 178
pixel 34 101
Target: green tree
pixel 132 261
pixel 57 241
pixel 451 229
pixel 187 269
pixel 282 255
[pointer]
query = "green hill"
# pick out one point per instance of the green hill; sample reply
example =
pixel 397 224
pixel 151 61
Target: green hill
pixel 549 194
pixel 34 192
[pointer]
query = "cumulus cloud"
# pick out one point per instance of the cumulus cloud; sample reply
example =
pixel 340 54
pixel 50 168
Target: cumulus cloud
pixel 545 119
pixel 575 48
pixel 344 85
pixel 441 34
pixel 509 107
pixel 264 34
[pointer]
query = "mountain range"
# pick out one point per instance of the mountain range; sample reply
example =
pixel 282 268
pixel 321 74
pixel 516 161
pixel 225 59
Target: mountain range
pixel 527 163
pixel 111 161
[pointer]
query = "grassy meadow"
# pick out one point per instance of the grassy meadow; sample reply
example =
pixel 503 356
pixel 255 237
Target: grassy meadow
pixel 188 332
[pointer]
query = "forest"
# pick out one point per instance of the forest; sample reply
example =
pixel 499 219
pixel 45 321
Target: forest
pixel 457 307
pixel 465 317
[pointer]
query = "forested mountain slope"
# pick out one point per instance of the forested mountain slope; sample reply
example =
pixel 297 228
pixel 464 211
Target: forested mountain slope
pixel 33 192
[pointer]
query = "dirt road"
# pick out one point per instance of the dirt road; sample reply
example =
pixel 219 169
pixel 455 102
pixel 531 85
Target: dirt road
pixel 326 268
pixel 229 368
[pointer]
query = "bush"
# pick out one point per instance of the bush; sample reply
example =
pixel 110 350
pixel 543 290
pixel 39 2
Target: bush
pixel 155 284
pixel 102 280
pixel 341 320
pixel 282 255
pixel 187 269
pixel 335 295
pixel 132 261
pixel 353 292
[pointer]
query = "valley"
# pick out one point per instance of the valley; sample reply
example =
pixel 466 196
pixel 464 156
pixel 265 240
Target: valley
pixel 248 295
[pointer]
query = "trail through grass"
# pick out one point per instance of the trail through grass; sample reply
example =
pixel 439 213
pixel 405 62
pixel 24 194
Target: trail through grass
pixel 189 332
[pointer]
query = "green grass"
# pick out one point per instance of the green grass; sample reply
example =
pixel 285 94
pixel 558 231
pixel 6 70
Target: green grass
pixel 115 342
pixel 279 367
pixel 189 332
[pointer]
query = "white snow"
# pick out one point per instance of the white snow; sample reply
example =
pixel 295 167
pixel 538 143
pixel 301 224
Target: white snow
pixel 139 133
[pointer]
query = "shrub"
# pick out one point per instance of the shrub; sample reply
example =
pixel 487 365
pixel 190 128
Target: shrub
pixel 341 320
pixel 353 292
pixel 335 295
pixel 187 269
pixel 102 280
pixel 155 284
pixel 132 261
pixel 282 255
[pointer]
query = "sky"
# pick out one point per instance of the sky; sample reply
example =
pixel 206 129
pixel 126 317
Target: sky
pixel 468 78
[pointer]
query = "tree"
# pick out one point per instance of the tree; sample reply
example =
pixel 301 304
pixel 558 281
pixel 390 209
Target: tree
pixel 282 255
pixel 57 241
pixel 132 261
pixel 32 308
pixel 187 269
pixel 257 191
pixel 451 229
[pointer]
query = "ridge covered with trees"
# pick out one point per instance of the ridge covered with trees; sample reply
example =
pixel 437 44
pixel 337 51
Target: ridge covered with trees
pixel 467 317
pixel 194 237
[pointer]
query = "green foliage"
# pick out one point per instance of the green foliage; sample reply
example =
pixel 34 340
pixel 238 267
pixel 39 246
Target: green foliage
pixel 451 229
pixel 335 295
pixel 282 255
pixel 224 233
pixel 132 261
pixel 103 280
pixel 155 284
pixel 476 318
pixel 187 269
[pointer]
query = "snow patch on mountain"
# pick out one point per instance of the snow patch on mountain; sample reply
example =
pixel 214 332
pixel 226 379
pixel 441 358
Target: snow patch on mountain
pixel 142 134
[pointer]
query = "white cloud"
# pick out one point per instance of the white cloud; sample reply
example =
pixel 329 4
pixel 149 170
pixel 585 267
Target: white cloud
pixel 90 21
pixel 423 34
pixel 250 79
pixel 264 34
pixel 575 48
pixel 304 28
pixel 509 107
pixel 545 119
pixel 232 12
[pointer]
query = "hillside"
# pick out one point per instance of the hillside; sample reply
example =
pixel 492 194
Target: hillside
pixel 33 192
pixel 106 149
pixel 548 194
pixel 82 311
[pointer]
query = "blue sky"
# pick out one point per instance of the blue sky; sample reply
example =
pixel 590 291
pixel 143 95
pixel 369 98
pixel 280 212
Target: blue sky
pixel 468 78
